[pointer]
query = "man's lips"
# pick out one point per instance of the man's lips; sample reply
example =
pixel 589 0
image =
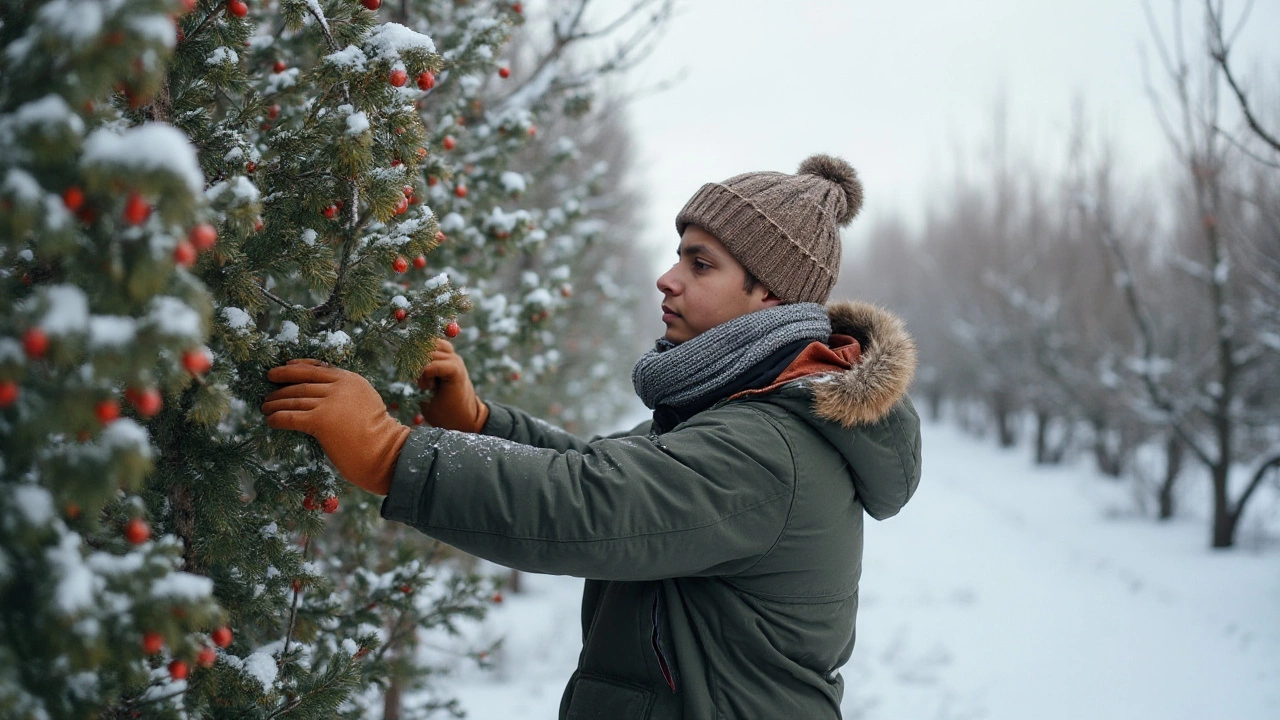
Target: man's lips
pixel 668 314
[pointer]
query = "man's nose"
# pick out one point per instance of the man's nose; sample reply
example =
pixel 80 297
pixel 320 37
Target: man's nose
pixel 667 283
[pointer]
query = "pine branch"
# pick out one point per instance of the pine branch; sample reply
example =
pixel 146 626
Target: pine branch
pixel 293 609
pixel 218 10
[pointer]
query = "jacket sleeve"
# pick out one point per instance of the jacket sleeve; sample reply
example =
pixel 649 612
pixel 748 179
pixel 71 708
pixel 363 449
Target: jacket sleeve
pixel 516 425
pixel 710 498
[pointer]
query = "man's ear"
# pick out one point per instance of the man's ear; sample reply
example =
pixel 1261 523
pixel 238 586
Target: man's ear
pixel 771 300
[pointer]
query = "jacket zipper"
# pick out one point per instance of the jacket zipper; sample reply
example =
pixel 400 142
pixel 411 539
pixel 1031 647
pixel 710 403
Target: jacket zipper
pixel 657 650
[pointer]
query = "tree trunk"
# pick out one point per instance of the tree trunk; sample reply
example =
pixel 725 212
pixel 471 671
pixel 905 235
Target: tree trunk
pixel 1004 420
pixel 1108 455
pixel 1224 519
pixel 391 701
pixel 1043 455
pixel 935 404
pixel 1173 452
pixel 513 582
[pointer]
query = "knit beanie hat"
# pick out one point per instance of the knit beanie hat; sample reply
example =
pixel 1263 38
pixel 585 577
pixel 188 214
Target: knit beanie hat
pixel 782 228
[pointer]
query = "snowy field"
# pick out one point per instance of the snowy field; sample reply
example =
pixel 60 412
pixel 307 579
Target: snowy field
pixel 1002 592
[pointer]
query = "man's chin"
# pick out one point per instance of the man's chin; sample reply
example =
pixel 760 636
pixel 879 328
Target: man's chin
pixel 675 338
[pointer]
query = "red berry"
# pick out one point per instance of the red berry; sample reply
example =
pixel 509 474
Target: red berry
pixel 152 643
pixel 237 8
pixel 515 377
pixel 136 210
pixel 8 393
pixel 504 72
pixel 73 511
pixel 137 531
pixel 371 4
pixel 309 502
pixel 107 411
pixel 406 588
pixel 403 205
pixel 420 262
pixel 399 264
pixel 250 166
pixel 497 597
pixel 452 329
pixel 397 162
pixel 330 505
pixel 400 314
pixel 148 402
pixel 178 670
pixel 421 153
pixel 330 211
pixel 279 66
pixel 273 112
pixel 207 657
pixel 517 8
pixel 432 180
pixel 460 121
pixel 221 636
pixel 533 130
pixel 203 237
pixel 398 77
pixel 440 236
pixel 73 198
pixel 418 419
pixel 460 191
pixel 565 291
pixel 188 6
pixel 184 254
pixel 257 225
pixel 408 190
pixel 35 343
pixel 296 585
pixel 197 361
pixel 449 143
pixel 426 80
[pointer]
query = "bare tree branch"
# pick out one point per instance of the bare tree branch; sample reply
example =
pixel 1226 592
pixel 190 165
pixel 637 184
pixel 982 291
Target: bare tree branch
pixel 1219 48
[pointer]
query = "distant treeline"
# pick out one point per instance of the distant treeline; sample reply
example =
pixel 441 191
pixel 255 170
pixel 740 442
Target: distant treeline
pixel 1104 313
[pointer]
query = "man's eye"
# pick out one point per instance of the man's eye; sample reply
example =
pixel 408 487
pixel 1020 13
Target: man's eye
pixel 699 265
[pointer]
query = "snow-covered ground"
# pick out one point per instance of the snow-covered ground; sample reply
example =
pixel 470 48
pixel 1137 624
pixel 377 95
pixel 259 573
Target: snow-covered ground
pixel 1002 591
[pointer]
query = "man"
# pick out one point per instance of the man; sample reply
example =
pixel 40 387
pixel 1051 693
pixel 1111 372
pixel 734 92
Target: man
pixel 722 542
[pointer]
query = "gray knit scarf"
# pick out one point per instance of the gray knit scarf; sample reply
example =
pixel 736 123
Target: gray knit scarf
pixel 681 375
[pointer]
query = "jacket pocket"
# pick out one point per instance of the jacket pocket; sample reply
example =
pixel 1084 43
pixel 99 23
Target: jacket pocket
pixel 597 698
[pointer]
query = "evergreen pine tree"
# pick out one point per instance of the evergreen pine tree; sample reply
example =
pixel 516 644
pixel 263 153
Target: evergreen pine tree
pixel 102 333
pixel 351 172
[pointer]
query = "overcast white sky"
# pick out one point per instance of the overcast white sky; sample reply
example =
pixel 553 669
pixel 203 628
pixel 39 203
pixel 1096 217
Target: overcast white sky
pixel 895 87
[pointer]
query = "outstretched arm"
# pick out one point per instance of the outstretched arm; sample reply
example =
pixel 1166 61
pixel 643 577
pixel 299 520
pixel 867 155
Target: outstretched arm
pixel 710 498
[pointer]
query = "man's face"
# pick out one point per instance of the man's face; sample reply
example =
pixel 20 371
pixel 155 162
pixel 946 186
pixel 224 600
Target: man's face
pixel 705 288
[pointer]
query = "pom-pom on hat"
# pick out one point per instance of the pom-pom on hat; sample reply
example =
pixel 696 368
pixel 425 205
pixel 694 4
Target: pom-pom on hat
pixel 784 229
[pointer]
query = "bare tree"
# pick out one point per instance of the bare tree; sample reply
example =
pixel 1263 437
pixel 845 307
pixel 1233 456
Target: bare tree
pixel 1208 415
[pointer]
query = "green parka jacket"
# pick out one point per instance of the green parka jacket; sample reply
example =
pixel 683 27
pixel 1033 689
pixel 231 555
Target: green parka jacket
pixel 722 557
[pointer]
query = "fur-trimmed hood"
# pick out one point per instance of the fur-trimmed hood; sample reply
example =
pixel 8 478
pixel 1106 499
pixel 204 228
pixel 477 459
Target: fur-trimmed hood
pixel 853 392
pixel 867 391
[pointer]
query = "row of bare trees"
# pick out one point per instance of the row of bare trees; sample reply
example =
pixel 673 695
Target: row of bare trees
pixel 1104 313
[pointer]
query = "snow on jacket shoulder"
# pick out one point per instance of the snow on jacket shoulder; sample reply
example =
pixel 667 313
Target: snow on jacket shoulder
pixel 722 556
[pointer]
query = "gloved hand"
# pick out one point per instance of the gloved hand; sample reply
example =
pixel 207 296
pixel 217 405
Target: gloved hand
pixel 343 411
pixel 453 404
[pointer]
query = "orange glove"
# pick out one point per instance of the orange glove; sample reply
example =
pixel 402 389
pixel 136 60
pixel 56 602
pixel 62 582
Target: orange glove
pixel 343 411
pixel 453 404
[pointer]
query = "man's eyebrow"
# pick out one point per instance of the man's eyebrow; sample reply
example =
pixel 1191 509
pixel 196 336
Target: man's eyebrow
pixel 695 249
